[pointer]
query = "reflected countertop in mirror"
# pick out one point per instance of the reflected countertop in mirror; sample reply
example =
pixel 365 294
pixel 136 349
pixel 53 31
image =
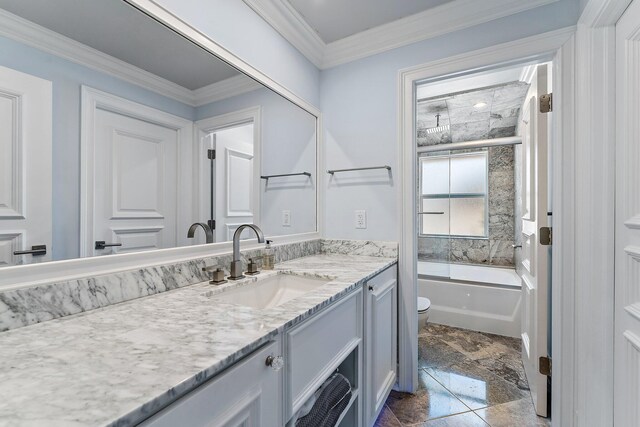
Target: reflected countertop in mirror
pixel 117 134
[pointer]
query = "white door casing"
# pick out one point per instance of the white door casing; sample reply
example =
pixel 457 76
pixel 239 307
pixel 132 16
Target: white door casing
pixel 25 166
pixel 242 203
pixel 136 175
pixel 534 127
pixel 627 252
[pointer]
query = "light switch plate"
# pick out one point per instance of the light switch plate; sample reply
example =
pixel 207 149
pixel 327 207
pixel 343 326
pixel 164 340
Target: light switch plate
pixel 286 218
pixel 361 219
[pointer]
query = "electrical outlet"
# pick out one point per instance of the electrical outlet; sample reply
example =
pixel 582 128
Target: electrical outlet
pixel 361 219
pixel 286 218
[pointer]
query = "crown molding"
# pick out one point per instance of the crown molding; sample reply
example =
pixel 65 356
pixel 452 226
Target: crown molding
pixel 223 89
pixel 292 26
pixel 446 18
pixel 36 36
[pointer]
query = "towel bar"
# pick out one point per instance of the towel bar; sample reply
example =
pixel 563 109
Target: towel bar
pixel 332 171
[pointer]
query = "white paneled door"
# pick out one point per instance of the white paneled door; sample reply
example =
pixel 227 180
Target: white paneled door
pixel 136 187
pixel 627 253
pixel 234 180
pixel 534 128
pixel 25 167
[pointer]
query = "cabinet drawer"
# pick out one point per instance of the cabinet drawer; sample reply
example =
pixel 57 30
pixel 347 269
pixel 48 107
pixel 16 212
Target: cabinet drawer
pixel 248 393
pixel 316 347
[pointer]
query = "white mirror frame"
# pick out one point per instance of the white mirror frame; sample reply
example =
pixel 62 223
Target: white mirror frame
pixel 21 276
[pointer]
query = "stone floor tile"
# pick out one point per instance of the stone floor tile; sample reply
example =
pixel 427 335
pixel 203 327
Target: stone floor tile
pixel 431 400
pixel 517 413
pixel 476 386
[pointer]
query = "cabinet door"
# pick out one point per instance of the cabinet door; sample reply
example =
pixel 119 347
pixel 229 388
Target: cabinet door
pixel 247 395
pixel 380 340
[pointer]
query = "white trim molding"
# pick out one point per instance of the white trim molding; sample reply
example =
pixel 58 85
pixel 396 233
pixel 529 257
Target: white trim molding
pixel 30 34
pixel 227 88
pixel 446 18
pixel 164 16
pixel 541 47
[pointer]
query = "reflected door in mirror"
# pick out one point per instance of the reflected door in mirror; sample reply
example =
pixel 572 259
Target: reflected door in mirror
pixel 234 180
pixel 25 167
pixel 135 176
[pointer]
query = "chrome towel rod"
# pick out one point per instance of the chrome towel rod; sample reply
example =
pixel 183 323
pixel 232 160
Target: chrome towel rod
pixel 332 171
pixel 286 174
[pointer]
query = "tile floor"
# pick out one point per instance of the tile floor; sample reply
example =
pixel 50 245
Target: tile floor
pixel 466 378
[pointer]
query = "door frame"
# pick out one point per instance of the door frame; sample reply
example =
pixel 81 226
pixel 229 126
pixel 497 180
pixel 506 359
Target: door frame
pixel 540 47
pixel 227 120
pixel 94 99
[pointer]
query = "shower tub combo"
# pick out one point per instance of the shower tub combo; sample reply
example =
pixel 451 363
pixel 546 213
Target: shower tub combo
pixel 476 297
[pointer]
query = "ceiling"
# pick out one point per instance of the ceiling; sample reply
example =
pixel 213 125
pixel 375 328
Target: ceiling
pixel 334 32
pixel 336 19
pixel 117 29
pixel 489 112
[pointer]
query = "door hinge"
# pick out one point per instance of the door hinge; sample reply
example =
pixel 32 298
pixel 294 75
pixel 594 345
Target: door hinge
pixel 211 223
pixel 546 103
pixel 211 154
pixel 545 366
pixel 546 237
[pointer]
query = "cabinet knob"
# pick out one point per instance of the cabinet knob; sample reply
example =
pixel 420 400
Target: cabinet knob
pixel 275 362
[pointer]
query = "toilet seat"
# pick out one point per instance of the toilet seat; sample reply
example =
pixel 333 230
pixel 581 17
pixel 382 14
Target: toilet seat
pixel 423 304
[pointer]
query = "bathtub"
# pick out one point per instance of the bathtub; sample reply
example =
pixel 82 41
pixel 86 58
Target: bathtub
pixel 480 298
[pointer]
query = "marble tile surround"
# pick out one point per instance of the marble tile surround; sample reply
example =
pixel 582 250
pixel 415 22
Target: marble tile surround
pixel 498 119
pixel 27 306
pixel 497 249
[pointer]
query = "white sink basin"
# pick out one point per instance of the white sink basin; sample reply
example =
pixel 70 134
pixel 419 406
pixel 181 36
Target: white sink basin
pixel 270 291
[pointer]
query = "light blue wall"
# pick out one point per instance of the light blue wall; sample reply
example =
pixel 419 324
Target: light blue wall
pixel 288 145
pixel 359 101
pixel 67 78
pixel 235 26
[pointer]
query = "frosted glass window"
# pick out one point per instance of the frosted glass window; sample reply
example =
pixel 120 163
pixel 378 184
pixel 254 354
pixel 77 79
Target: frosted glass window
pixel 435 175
pixel 435 223
pixel 456 185
pixel 469 173
pixel 468 216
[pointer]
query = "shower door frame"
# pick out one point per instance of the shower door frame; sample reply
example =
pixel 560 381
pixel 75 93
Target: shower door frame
pixel 542 47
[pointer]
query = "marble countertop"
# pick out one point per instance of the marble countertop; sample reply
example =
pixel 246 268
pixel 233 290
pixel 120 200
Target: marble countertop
pixel 119 364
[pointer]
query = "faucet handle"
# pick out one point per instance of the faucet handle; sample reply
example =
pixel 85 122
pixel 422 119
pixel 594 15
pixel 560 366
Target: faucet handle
pixel 217 274
pixel 252 267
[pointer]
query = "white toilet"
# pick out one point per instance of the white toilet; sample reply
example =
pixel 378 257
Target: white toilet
pixel 423 312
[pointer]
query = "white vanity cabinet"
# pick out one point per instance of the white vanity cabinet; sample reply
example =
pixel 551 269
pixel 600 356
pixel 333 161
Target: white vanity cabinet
pixel 247 394
pixel 380 340
pixel 355 335
pixel 328 341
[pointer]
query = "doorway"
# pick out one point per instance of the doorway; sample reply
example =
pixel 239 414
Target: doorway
pixel 537 49
pixel 229 153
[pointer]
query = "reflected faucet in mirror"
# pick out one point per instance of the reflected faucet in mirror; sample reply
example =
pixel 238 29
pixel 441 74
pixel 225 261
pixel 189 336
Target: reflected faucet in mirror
pixel 205 227
pixel 236 264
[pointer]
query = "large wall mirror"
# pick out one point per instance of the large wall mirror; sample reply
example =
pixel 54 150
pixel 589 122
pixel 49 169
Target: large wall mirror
pixel 117 134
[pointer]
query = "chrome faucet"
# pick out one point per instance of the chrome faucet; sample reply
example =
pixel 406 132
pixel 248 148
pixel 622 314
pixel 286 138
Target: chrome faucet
pixel 205 227
pixel 236 263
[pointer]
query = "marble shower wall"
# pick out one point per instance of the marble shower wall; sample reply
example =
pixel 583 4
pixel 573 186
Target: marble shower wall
pixel 497 119
pixel 496 250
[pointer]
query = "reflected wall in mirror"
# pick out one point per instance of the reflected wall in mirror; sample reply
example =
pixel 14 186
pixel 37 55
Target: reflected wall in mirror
pixel 117 134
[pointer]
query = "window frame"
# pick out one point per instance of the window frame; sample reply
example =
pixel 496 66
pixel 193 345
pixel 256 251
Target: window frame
pixel 422 197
